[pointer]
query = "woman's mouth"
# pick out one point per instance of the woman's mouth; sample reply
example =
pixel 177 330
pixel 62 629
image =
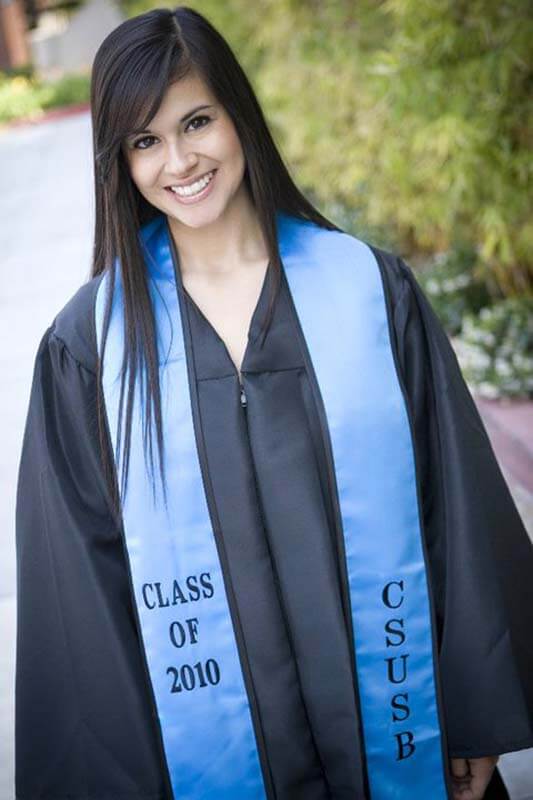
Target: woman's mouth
pixel 196 191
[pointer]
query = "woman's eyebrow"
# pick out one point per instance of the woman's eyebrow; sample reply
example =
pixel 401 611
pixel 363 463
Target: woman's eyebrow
pixel 194 110
pixel 183 119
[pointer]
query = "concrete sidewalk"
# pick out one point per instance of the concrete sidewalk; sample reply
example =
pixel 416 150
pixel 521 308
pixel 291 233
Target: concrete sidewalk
pixel 46 205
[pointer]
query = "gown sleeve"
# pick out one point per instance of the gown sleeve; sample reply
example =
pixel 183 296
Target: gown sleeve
pixel 480 555
pixel 83 724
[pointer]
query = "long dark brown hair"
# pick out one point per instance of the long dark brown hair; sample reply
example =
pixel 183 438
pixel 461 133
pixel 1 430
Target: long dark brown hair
pixel 131 72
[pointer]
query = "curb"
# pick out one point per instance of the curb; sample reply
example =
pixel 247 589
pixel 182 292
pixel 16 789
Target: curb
pixel 47 116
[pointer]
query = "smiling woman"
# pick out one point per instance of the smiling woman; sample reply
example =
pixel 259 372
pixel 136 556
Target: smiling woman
pixel 314 584
pixel 177 158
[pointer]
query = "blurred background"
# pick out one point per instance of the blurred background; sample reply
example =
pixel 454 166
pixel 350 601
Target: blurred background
pixel 407 122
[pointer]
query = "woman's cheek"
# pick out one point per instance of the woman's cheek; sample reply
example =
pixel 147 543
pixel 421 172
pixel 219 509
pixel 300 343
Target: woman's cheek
pixel 144 176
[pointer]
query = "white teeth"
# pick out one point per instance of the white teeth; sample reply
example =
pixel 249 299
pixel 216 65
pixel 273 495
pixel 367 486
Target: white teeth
pixel 194 188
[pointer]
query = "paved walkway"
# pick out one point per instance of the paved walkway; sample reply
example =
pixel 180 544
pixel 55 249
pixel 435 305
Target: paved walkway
pixel 510 426
pixel 45 241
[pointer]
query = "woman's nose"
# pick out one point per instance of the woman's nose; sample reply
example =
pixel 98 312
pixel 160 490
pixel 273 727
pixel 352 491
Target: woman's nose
pixel 178 160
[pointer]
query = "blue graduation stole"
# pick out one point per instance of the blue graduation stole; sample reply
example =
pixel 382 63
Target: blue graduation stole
pixel 179 585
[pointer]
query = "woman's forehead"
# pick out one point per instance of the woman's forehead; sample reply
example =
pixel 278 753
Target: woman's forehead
pixel 181 97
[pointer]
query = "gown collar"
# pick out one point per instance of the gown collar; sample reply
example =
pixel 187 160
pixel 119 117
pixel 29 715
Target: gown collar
pixel 278 349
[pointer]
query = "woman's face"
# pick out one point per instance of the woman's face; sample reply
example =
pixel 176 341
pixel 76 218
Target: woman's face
pixel 182 145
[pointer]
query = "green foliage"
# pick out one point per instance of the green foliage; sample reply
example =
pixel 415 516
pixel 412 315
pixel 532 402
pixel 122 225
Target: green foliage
pixel 24 71
pixel 24 95
pixel 453 287
pixel 18 98
pixel 69 90
pixel 495 349
pixel 456 81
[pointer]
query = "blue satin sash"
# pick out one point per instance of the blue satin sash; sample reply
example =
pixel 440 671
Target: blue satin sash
pixel 337 290
pixel 179 584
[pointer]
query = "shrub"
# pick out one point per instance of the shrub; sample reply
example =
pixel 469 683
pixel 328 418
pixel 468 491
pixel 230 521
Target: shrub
pixel 453 287
pixel 495 349
pixel 24 95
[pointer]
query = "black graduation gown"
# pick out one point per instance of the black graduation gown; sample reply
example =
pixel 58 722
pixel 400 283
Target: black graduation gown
pixel 86 725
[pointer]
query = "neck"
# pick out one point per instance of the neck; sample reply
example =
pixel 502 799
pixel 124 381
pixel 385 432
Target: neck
pixel 232 240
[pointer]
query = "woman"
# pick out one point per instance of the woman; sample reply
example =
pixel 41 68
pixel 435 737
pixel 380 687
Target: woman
pixel 264 546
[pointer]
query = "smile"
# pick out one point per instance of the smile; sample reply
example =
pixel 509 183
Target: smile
pixel 195 191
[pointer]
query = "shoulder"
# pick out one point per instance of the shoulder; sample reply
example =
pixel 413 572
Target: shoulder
pixel 74 325
pixel 397 276
pixel 308 238
pixel 407 307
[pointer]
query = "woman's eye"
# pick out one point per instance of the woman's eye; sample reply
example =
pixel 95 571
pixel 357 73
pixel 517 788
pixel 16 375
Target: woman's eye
pixel 195 119
pixel 139 141
pixel 140 144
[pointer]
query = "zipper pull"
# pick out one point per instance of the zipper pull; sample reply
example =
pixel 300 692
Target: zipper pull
pixel 244 402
